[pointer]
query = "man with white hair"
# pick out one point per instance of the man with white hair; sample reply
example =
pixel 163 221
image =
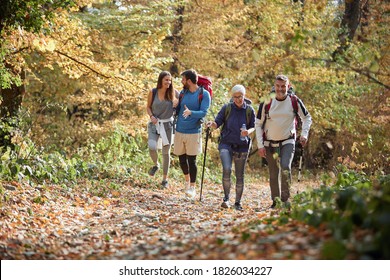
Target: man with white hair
pixel 276 135
pixel 237 119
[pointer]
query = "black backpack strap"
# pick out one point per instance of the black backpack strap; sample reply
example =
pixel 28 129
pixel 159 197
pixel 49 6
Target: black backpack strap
pixel 181 95
pixel 200 96
pixel 154 93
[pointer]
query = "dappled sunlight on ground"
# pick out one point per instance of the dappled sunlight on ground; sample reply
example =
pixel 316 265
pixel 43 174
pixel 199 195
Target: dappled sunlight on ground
pixel 145 223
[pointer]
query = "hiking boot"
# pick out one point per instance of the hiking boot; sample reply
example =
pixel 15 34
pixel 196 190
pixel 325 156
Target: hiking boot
pixel 287 205
pixel 153 170
pixel 238 206
pixel 190 192
pixel 273 205
pixel 225 204
pixel 164 184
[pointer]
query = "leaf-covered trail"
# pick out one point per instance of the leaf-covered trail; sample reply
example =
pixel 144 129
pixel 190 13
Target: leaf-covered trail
pixel 142 223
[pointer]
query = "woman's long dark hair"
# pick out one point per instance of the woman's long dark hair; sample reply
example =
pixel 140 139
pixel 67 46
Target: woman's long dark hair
pixel 170 91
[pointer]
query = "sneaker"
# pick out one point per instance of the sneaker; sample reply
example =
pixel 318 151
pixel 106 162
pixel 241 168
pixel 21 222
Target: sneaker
pixel 238 206
pixel 164 184
pixel 225 204
pixel 190 192
pixel 153 170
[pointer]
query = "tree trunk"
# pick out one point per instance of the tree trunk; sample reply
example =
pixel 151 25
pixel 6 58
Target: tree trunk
pixel 302 18
pixel 349 25
pixel 176 41
pixel 365 20
pixel 11 101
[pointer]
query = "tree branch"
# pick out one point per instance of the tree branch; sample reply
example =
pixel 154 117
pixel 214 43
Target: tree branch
pixel 357 70
pixel 368 75
pixel 19 50
pixel 93 70
pixel 83 64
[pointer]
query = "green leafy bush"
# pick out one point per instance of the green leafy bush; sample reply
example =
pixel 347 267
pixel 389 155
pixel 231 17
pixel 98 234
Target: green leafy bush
pixel 111 157
pixel 352 206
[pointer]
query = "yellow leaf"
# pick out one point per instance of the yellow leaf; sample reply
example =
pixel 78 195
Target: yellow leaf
pixel 36 43
pixel 374 66
pixel 51 46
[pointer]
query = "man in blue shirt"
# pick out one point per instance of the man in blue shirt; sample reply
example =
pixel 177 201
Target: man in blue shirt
pixel 194 102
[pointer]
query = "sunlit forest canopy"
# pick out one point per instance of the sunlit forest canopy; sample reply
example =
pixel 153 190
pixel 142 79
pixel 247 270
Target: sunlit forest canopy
pixel 75 71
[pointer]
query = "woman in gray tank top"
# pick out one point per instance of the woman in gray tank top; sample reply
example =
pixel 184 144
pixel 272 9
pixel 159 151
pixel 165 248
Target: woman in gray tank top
pixel 160 108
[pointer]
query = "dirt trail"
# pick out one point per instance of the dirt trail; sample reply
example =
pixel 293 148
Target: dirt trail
pixel 141 223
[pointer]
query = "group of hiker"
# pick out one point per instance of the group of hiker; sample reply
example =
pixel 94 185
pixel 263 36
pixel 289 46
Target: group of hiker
pixel 274 124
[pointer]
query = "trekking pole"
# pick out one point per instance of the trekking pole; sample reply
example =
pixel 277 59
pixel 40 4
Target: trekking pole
pixel 204 161
pixel 300 164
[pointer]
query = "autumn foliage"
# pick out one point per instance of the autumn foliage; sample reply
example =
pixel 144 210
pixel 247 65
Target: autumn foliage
pixel 74 77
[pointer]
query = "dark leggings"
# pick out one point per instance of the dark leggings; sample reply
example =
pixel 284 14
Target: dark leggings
pixel 188 165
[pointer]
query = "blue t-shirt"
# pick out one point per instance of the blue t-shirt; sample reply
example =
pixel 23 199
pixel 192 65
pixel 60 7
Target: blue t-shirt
pixel 192 124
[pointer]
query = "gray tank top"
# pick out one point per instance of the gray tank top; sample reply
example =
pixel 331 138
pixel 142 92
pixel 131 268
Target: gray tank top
pixel 162 109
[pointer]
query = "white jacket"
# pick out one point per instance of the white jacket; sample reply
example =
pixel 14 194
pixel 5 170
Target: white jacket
pixel 280 125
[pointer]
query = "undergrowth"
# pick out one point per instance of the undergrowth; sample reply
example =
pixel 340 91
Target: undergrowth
pixel 117 156
pixel 355 208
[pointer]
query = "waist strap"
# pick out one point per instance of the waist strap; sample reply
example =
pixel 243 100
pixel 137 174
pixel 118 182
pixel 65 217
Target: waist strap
pixel 278 143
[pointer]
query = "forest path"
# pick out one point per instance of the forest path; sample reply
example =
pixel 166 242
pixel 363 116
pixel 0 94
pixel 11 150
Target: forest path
pixel 147 223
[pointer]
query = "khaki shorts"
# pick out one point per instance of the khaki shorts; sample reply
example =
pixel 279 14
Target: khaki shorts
pixel 190 144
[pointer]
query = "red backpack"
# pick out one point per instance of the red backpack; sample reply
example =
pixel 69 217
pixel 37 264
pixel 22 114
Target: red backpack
pixel 205 83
